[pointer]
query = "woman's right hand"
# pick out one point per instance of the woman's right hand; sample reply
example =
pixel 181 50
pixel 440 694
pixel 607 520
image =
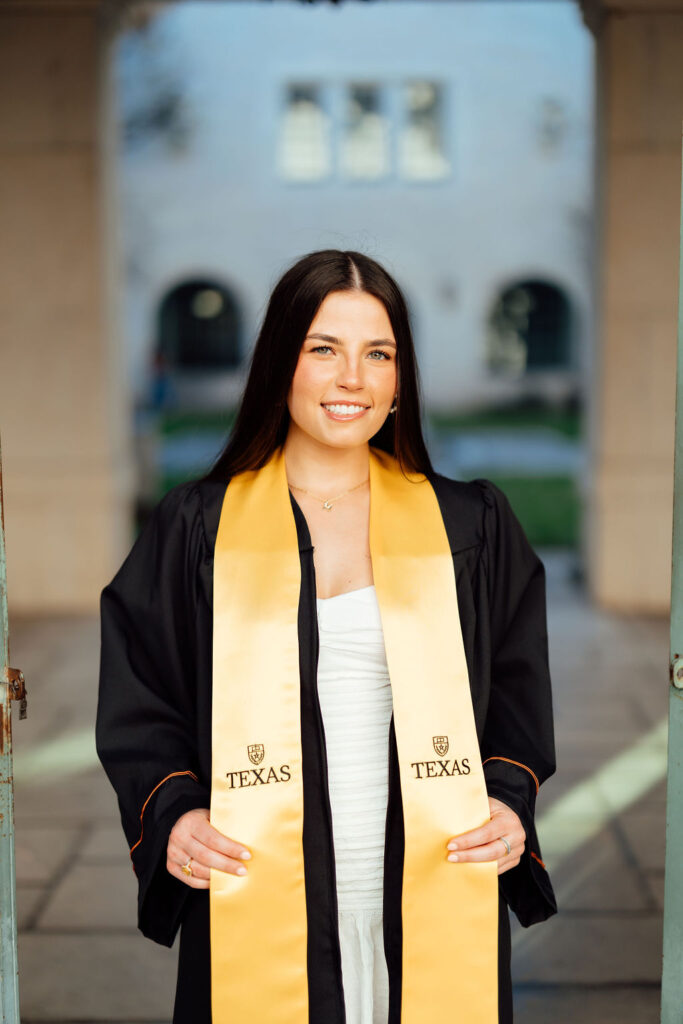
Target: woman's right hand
pixel 193 836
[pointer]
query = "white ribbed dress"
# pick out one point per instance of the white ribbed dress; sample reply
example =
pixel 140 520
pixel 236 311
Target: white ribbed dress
pixel 356 705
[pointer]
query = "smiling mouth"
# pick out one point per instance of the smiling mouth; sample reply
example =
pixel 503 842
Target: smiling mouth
pixel 344 410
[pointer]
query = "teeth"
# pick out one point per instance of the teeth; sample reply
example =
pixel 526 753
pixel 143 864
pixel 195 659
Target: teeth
pixel 345 410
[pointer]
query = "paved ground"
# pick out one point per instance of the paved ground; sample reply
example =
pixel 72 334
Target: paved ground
pixel 599 960
pixel 531 451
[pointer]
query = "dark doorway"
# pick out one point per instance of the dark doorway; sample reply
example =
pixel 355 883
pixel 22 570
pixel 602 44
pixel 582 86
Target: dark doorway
pixel 199 327
pixel 530 329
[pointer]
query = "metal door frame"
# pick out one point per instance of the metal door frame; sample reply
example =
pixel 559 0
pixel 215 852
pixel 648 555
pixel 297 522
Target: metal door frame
pixel 11 688
pixel 672 967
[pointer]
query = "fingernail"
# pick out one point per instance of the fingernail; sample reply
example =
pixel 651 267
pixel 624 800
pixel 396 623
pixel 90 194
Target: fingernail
pixel 452 846
pixel 452 856
pixel 241 870
pixel 245 855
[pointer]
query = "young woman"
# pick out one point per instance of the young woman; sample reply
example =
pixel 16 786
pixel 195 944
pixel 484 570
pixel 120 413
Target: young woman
pixel 325 703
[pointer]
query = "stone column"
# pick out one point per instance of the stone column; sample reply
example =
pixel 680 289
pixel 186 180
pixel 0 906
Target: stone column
pixel 64 420
pixel 638 179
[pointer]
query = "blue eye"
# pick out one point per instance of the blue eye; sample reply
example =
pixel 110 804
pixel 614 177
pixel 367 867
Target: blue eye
pixel 377 351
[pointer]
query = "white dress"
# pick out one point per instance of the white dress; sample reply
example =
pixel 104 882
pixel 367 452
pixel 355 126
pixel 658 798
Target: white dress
pixel 356 705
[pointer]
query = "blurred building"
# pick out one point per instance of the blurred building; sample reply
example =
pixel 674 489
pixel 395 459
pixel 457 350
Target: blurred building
pixel 452 141
pixel 65 396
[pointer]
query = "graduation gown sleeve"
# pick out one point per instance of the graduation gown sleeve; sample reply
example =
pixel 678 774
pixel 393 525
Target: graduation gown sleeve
pixel 517 747
pixel 145 728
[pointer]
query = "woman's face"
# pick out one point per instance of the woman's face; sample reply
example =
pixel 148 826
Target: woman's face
pixel 348 359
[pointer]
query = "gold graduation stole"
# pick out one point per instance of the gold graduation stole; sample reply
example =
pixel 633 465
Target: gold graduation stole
pixel 258 921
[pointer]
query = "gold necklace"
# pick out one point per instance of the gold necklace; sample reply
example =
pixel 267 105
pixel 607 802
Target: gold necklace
pixel 327 502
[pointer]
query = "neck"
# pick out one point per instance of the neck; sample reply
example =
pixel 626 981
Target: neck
pixel 321 468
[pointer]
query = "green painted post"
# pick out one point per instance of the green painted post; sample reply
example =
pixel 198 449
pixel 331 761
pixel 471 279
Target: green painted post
pixel 9 973
pixel 672 971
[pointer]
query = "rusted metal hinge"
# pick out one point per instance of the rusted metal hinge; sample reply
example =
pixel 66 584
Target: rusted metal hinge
pixel 16 684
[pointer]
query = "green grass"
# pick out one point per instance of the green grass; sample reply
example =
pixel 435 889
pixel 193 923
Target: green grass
pixel 566 422
pixel 548 507
pixel 195 422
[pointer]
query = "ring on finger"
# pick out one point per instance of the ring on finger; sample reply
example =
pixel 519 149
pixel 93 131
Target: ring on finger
pixel 507 845
pixel 187 868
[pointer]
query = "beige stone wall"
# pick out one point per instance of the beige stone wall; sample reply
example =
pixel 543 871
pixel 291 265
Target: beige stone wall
pixel 63 423
pixel 640 95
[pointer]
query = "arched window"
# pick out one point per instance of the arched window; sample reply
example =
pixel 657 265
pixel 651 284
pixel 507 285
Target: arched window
pixel 530 329
pixel 199 327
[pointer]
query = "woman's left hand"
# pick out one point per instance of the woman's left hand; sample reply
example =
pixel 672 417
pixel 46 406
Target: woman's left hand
pixel 484 843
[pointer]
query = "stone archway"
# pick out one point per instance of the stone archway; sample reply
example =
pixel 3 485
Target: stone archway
pixel 530 329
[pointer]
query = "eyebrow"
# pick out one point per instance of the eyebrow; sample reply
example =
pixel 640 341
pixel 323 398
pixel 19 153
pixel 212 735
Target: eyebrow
pixel 338 341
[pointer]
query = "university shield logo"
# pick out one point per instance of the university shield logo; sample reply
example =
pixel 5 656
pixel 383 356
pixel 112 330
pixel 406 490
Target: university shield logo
pixel 440 745
pixel 256 752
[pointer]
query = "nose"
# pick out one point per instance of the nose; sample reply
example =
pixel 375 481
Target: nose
pixel 350 375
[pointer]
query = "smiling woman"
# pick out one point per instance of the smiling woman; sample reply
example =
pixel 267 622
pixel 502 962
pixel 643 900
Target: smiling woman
pixel 348 377
pixel 327 717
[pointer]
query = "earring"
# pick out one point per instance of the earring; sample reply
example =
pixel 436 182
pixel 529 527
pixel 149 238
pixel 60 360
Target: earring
pixel 393 408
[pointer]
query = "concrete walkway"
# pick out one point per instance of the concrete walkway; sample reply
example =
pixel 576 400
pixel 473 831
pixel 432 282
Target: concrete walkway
pixel 599 960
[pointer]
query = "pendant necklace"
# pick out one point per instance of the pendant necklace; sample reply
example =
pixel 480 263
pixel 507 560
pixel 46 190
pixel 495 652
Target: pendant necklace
pixel 327 502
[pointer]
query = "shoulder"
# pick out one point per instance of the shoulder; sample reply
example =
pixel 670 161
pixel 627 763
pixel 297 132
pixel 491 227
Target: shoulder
pixel 190 495
pixel 179 505
pixel 176 499
pixel 467 507
pixel 176 522
pixel 192 509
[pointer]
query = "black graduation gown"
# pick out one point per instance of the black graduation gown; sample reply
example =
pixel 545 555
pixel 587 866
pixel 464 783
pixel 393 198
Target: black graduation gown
pixel 154 725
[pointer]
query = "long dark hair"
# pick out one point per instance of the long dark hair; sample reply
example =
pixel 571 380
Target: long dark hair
pixel 263 418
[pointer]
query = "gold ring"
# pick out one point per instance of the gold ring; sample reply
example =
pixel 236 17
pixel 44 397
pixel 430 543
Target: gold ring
pixel 185 868
pixel 507 845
